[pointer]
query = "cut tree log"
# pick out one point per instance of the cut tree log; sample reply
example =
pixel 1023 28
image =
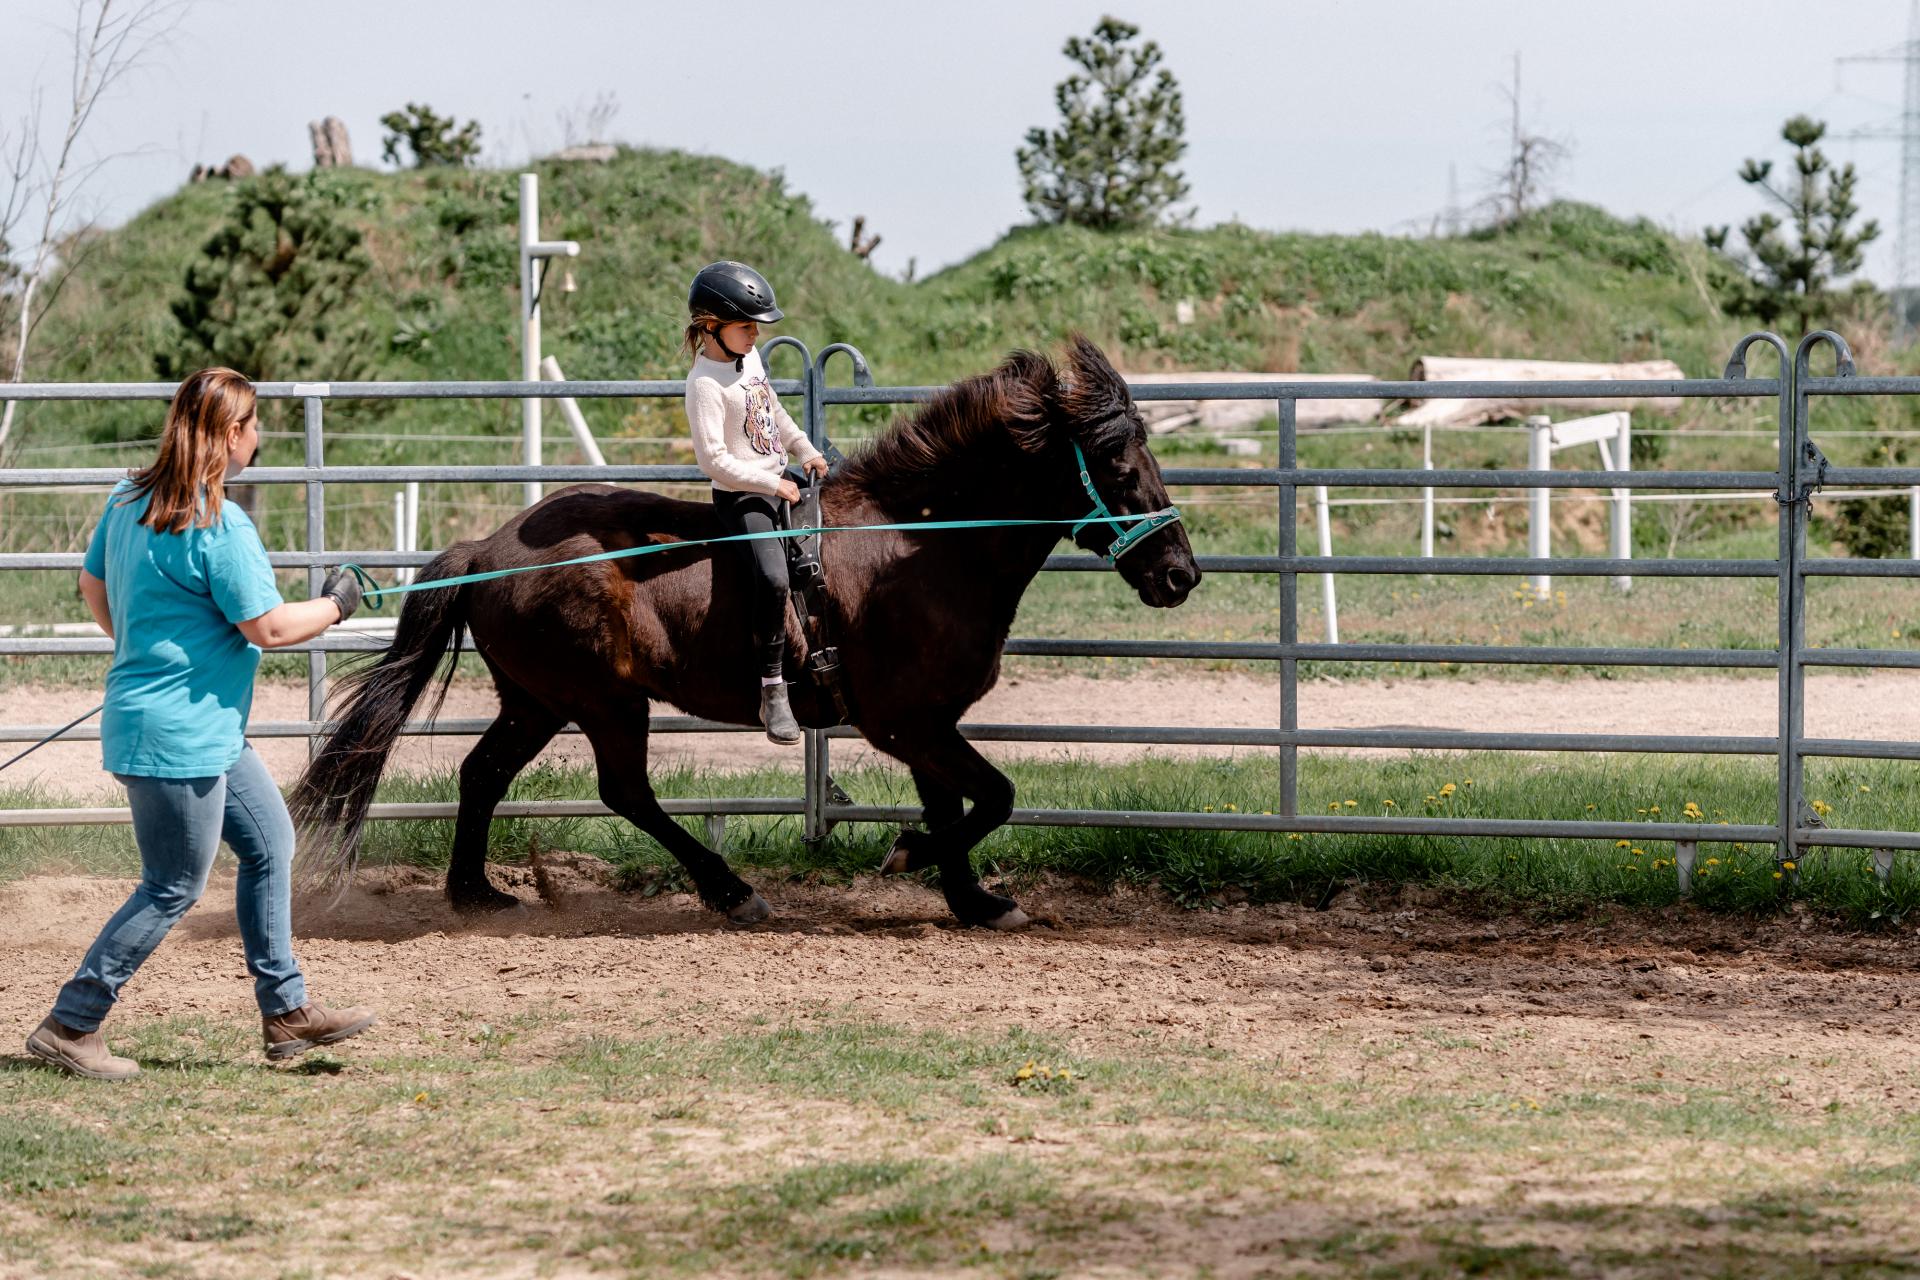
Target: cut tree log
pixel 1462 413
pixel 1163 416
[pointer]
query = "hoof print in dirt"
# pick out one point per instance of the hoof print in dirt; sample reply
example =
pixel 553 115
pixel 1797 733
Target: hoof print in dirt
pixel 752 911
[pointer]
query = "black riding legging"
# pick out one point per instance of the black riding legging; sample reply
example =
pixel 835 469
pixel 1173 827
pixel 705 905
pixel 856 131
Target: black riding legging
pixel 766 560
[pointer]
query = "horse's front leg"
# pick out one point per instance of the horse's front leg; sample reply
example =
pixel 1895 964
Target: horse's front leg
pixel 954 770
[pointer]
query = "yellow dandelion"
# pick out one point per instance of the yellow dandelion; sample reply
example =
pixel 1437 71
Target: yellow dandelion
pixel 1789 866
pixel 1233 809
pixel 1865 787
pixel 1638 853
pixel 1713 862
pixel 1653 808
pixel 1351 804
pixel 1623 844
pixel 1776 875
pixel 1387 803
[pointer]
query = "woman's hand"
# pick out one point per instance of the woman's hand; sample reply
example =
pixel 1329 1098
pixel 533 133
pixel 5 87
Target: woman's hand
pixel 816 466
pixel 787 490
pixel 343 589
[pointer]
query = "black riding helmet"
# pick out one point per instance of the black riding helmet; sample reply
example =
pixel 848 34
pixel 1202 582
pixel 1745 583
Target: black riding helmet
pixel 733 291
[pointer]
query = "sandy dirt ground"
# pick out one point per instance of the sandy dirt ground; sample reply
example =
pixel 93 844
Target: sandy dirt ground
pixel 1851 705
pixel 1259 980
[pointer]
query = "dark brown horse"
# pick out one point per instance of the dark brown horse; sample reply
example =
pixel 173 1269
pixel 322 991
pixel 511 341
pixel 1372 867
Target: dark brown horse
pixel 922 619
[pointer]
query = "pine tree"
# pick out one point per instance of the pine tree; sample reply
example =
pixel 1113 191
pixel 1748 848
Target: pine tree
pixel 265 294
pixel 432 139
pixel 1794 277
pixel 1110 163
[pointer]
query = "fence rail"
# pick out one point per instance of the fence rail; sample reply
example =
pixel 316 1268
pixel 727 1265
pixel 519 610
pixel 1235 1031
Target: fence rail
pixel 1802 472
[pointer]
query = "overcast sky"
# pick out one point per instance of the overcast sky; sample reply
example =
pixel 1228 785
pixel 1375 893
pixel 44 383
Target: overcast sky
pixel 1326 115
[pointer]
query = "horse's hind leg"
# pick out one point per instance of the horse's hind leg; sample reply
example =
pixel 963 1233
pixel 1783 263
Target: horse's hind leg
pixel 508 746
pixel 620 754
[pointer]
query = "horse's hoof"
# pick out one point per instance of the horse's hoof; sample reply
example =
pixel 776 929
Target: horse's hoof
pixel 483 901
pixel 899 859
pixel 752 911
pixel 1009 921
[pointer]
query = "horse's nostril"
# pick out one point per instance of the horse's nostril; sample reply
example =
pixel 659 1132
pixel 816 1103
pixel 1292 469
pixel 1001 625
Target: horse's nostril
pixel 1180 580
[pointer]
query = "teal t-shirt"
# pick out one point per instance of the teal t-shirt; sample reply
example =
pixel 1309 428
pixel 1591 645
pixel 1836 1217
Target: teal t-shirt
pixel 181 683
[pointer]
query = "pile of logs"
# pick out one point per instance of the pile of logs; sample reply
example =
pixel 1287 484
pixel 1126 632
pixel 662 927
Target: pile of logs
pixel 1467 413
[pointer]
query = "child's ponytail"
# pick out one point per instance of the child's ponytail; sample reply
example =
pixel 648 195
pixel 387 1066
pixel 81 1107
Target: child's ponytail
pixel 699 328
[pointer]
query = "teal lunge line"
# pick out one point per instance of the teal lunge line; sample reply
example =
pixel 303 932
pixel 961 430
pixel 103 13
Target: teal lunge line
pixel 375 595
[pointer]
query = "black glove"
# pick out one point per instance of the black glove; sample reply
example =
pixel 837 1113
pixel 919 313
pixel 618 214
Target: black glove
pixel 343 589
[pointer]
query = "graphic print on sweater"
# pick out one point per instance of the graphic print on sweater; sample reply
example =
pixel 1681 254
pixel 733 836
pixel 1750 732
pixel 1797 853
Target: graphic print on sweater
pixel 758 424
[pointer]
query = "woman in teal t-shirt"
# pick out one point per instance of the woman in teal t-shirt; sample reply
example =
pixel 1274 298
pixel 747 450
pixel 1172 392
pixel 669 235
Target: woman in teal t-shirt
pixel 178 577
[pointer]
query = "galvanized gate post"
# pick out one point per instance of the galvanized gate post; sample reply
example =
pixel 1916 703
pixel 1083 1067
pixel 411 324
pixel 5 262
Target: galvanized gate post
pixel 1783 403
pixel 813 749
pixel 1289 613
pixel 816 751
pixel 821 790
pixel 312 394
pixel 1809 467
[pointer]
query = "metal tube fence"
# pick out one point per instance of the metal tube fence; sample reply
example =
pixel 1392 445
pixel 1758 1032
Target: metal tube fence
pixel 1801 473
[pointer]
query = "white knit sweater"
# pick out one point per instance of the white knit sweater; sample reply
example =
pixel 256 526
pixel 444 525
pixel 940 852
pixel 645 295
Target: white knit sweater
pixel 741 434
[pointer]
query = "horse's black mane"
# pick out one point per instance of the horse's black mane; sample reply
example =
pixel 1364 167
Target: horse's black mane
pixel 1023 403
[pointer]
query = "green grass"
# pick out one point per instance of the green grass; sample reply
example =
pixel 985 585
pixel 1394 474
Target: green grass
pixel 844 1143
pixel 1198 867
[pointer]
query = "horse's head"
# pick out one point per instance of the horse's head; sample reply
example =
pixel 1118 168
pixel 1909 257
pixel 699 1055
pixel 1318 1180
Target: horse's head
pixel 1098 414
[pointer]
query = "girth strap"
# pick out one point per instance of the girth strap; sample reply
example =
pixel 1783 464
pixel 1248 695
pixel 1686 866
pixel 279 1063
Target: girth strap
pixel 808 579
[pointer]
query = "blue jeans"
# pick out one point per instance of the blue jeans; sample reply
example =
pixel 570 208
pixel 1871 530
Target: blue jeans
pixel 179 823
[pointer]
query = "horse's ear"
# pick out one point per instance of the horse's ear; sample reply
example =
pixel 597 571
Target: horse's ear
pixel 1094 399
pixel 1029 395
pixel 1092 369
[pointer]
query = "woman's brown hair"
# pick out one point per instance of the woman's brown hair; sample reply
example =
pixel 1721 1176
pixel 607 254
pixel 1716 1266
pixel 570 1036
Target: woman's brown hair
pixel 209 406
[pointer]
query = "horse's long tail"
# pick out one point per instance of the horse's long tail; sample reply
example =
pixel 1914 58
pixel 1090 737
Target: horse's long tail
pixel 329 803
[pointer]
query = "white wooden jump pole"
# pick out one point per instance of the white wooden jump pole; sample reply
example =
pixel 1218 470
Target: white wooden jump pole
pixel 1546 439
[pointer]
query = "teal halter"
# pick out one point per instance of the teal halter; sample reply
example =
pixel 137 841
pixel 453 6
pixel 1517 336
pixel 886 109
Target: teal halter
pixel 1146 522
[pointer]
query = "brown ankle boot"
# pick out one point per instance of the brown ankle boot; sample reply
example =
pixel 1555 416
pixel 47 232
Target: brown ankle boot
pixel 83 1053
pixel 311 1026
